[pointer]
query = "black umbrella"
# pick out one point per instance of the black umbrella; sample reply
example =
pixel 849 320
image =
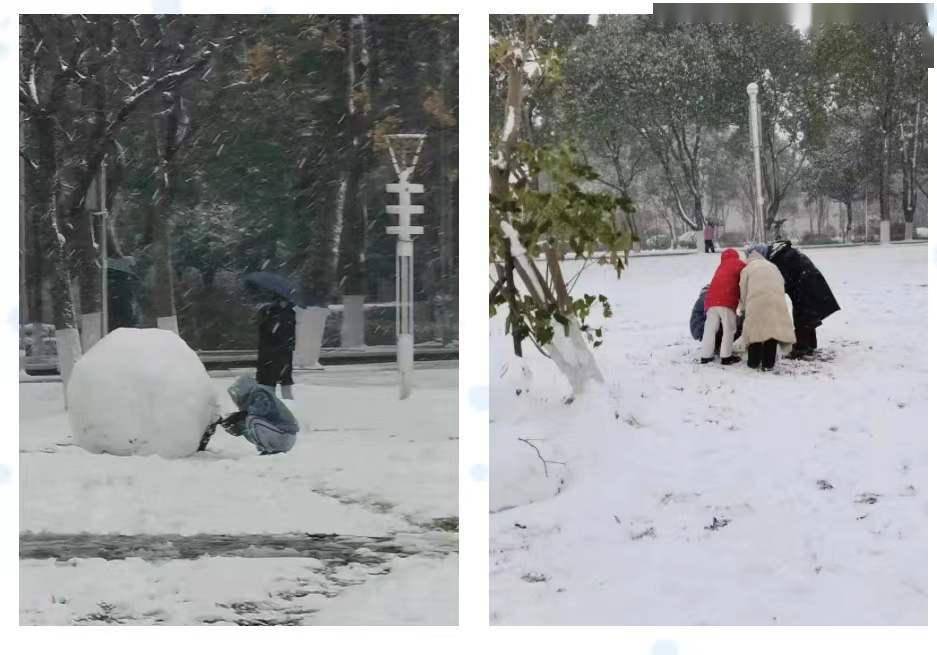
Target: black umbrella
pixel 276 284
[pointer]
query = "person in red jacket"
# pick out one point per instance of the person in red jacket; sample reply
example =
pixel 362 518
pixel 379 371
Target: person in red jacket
pixel 722 299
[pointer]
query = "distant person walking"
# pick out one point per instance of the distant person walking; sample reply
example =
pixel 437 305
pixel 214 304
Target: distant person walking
pixel 276 343
pixel 709 235
pixel 767 323
pixel 811 296
pixel 721 301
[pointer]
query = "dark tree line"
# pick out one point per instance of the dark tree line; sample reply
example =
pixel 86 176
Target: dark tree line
pixel 231 144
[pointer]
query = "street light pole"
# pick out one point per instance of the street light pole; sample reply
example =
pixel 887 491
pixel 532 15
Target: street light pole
pixel 104 298
pixel 754 128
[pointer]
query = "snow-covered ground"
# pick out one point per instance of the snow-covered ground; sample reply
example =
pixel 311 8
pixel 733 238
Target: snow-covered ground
pixel 365 464
pixel 692 494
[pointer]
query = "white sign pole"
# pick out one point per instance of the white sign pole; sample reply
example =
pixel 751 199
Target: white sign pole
pixel 405 233
pixel 753 123
pixel 104 298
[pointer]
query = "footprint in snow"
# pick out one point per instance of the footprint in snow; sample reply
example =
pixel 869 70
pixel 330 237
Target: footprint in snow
pixel 868 498
pixel 717 524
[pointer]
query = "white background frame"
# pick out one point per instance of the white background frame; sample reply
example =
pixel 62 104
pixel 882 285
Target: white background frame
pixel 474 635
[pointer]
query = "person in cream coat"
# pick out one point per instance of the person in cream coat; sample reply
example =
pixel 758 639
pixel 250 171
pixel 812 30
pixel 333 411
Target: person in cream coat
pixel 768 323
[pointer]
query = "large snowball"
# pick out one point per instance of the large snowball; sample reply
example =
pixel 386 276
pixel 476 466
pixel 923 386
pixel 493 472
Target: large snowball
pixel 140 392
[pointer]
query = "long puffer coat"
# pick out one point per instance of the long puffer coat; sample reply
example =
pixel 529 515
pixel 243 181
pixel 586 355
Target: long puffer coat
pixel 277 340
pixel 762 300
pixel 811 296
pixel 724 288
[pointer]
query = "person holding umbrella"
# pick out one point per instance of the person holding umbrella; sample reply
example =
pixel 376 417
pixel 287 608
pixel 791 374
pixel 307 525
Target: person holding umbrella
pixel 276 332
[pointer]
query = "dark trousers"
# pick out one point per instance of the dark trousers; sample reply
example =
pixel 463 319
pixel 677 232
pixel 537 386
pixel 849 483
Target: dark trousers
pixel 763 354
pixel 709 245
pixel 275 366
pixel 806 339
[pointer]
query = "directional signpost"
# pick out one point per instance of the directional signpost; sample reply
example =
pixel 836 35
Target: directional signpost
pixel 405 152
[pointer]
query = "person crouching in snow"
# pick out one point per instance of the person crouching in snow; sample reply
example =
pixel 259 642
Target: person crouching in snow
pixel 261 418
pixel 767 322
pixel 721 301
pixel 277 340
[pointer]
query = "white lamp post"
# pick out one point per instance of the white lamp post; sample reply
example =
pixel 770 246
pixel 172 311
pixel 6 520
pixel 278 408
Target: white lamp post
pixel 754 128
pixel 104 298
pixel 408 147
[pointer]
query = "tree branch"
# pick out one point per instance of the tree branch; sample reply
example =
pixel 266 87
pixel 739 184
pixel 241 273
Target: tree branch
pixel 546 472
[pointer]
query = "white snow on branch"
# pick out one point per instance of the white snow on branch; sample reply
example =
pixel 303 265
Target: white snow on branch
pixel 508 125
pixel 517 249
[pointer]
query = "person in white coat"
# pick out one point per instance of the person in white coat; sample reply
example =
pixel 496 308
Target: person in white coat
pixel 768 324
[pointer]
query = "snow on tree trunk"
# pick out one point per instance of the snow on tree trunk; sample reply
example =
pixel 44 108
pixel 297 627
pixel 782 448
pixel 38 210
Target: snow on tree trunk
pixel 885 232
pixel 68 346
pixel 353 322
pixel 700 240
pixel 310 324
pixel 170 323
pixel 124 401
pixel 570 353
pixel 572 356
pixel 90 330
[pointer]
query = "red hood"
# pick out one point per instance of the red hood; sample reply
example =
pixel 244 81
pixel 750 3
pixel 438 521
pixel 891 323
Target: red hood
pixel 724 288
pixel 729 253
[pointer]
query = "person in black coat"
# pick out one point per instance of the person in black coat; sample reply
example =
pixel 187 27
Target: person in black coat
pixel 811 296
pixel 276 343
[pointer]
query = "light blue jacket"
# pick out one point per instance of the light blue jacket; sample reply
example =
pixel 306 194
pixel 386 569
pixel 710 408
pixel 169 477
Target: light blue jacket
pixel 269 424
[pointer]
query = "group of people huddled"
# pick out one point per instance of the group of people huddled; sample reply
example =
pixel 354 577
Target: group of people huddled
pixel 747 299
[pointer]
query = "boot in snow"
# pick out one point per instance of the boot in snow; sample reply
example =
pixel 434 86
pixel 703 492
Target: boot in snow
pixel 734 359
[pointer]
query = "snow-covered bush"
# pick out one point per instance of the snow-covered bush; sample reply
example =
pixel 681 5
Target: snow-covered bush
pixel 657 242
pixel 687 240
pixel 140 392
pixel 732 239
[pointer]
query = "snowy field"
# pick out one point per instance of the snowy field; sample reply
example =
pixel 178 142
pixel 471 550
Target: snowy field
pixel 706 495
pixel 363 469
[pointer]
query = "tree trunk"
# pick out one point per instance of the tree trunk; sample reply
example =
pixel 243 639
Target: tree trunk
pixel 166 128
pixel 351 259
pixel 326 184
pixel 909 174
pixel 884 180
pixel 33 269
pixel 318 268
pixel 848 232
pixel 87 261
pixel 699 219
pixel 46 214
